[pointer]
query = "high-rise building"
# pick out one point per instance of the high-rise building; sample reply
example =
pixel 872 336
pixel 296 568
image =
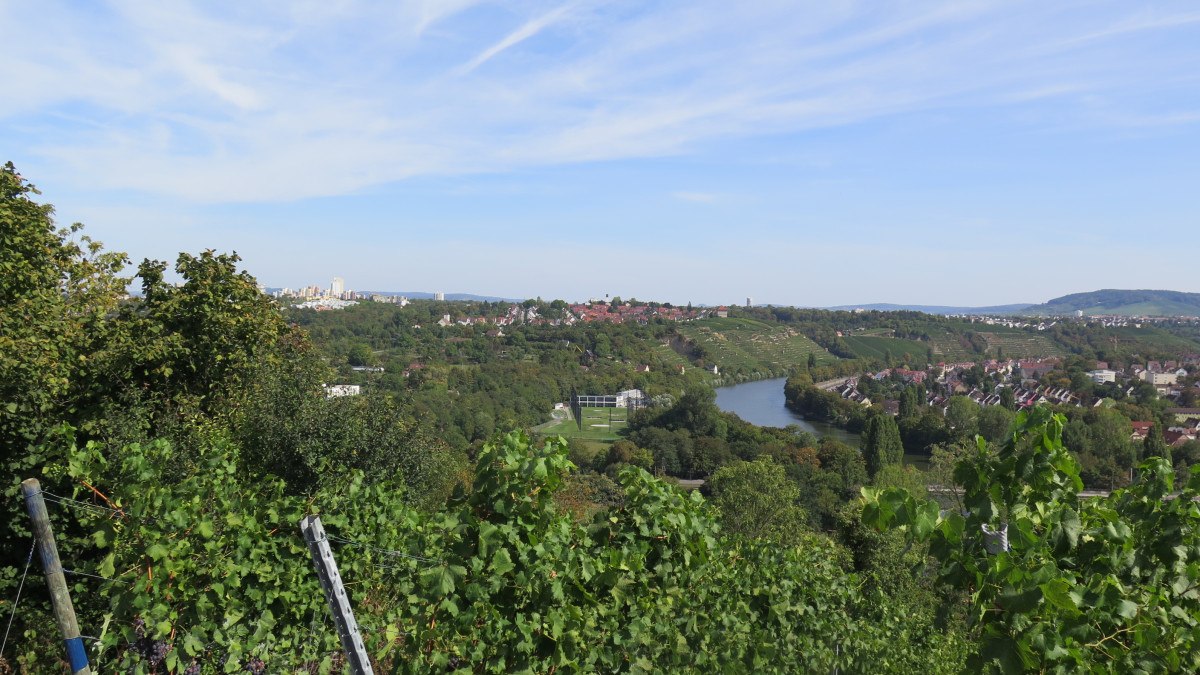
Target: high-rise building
pixel 337 287
pixel 439 296
pixel 749 301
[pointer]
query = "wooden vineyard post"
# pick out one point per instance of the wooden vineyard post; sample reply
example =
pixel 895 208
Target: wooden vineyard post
pixel 335 594
pixel 60 595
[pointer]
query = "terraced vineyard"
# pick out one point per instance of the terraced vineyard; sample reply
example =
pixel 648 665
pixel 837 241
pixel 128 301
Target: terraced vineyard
pixel 949 344
pixel 878 347
pixel 1021 345
pixel 671 358
pixel 1157 339
pixel 752 346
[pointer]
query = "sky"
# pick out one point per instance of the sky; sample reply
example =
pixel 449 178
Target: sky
pixel 804 153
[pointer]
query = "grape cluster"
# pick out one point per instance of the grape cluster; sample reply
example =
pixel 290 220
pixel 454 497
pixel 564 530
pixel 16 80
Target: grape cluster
pixel 193 669
pixel 153 652
pixel 255 666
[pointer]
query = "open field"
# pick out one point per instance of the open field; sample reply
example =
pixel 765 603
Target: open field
pixel 600 424
pixel 752 345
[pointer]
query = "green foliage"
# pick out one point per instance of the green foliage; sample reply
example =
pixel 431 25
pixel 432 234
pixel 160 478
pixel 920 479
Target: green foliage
pixel 203 339
pixel 881 444
pixel 1097 584
pixel 288 428
pixel 756 500
pixel 210 564
pixel 57 288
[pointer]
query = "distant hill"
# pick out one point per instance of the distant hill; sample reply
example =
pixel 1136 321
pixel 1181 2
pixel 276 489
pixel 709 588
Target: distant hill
pixel 938 309
pixel 1124 303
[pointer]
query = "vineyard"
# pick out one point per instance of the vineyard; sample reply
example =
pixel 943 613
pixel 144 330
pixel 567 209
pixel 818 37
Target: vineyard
pixel 881 348
pixel 748 345
pixel 1155 339
pixel 1021 344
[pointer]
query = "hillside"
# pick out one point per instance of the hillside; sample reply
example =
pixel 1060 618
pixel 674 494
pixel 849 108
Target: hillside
pixel 1122 302
pixel 748 346
pixel 1016 308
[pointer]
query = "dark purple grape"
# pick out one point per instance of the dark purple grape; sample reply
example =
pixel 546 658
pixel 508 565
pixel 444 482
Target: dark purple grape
pixel 255 666
pixel 158 652
pixel 139 627
pixel 193 669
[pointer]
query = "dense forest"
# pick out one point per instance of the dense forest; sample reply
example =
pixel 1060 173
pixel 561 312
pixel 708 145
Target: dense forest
pixel 181 435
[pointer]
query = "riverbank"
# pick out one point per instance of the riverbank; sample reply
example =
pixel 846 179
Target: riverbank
pixel 762 402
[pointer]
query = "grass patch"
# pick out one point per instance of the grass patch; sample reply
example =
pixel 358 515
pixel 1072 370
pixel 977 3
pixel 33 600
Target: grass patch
pixel 599 424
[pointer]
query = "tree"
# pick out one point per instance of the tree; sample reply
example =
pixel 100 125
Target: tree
pixel 812 360
pixel 1007 398
pixel 908 403
pixel 360 354
pixel 962 416
pixel 57 291
pixel 200 341
pixel 993 422
pixel 881 444
pixel 757 500
pixel 1154 445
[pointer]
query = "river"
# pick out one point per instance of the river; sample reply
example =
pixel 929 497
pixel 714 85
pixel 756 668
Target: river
pixel 761 402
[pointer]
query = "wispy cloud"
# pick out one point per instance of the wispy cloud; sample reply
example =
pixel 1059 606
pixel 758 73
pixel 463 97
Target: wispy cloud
pixel 524 32
pixel 266 104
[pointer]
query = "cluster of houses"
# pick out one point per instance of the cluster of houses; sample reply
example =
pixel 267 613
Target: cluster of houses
pixel 1186 427
pixel 626 313
pixel 950 379
pixel 1007 322
pixel 581 313
pixel 1166 376
pixel 514 314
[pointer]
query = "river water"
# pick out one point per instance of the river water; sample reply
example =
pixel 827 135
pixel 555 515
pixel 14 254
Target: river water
pixel 762 403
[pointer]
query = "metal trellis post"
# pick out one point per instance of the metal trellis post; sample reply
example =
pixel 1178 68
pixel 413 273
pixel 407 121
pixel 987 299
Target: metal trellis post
pixel 335 593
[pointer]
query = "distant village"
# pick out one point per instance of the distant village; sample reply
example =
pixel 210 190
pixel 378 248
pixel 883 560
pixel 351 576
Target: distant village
pixel 1022 378
pixel 336 296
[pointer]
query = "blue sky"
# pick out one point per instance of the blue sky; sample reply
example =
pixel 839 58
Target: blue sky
pixel 808 153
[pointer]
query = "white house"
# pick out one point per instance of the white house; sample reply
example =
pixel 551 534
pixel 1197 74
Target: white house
pixel 335 390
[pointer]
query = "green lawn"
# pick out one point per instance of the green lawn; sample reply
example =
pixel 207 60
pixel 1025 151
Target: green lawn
pixel 597 425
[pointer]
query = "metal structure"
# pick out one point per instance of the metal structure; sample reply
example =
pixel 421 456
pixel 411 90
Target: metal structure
pixel 335 594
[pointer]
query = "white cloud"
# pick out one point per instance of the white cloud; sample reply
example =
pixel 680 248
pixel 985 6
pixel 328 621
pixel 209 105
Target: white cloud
pixel 254 104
